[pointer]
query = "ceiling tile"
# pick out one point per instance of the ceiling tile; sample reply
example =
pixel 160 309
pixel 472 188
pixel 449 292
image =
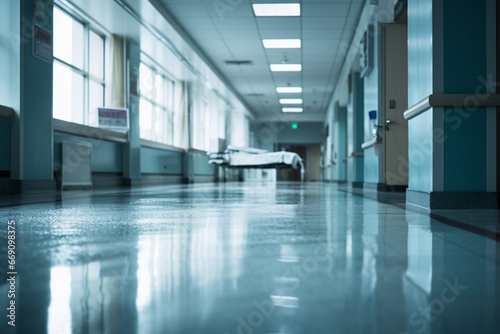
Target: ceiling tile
pixel 228 30
pixel 325 10
pixel 323 22
pixel 267 23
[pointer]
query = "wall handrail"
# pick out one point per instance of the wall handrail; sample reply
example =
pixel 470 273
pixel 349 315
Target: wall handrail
pixel 453 100
pixel 371 143
pixel 6 111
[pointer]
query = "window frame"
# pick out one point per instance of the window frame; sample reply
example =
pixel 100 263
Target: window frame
pixel 85 71
pixel 168 108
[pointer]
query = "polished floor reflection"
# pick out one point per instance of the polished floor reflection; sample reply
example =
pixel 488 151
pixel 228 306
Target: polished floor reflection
pixel 248 258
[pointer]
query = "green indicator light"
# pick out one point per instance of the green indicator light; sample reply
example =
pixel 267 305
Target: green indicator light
pixel 295 126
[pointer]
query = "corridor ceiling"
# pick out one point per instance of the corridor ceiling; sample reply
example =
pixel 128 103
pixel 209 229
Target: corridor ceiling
pixel 228 30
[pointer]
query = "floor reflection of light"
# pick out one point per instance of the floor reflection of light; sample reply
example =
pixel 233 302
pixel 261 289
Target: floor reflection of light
pixel 288 254
pixel 289 259
pixel 348 246
pixel 420 258
pixel 285 301
pixel 60 295
pixel 293 281
pixel 143 273
pixel 238 231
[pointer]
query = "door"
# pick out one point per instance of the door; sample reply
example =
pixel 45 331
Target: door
pixel 395 103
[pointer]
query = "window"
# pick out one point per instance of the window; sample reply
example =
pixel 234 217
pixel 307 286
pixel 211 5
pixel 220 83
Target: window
pixel 156 105
pixel 209 120
pixel 239 129
pixel 201 121
pixel 78 70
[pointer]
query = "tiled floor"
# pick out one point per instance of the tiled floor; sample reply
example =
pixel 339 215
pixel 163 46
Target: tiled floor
pixel 247 258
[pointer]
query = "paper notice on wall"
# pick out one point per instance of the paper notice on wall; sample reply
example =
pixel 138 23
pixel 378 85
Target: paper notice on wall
pixel 42 43
pixel 113 118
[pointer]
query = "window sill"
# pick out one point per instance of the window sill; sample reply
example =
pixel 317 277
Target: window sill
pixel 89 131
pixel 197 151
pixel 161 146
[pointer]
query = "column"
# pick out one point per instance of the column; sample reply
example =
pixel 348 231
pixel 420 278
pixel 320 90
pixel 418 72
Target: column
pixel 32 147
pixel 132 149
pixel 451 97
pixel 355 132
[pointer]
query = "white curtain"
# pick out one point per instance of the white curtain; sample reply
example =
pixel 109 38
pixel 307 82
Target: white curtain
pixel 180 116
pixel 115 73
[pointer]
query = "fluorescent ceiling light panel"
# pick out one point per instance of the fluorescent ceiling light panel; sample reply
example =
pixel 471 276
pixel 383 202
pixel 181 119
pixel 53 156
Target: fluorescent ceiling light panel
pixel 276 9
pixel 286 67
pixel 282 43
pixel 292 109
pixel 291 101
pixel 289 89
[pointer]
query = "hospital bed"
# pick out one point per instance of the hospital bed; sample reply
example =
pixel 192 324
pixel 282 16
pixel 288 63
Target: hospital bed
pixel 234 157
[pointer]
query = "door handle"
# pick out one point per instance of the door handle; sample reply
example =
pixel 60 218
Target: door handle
pixel 387 123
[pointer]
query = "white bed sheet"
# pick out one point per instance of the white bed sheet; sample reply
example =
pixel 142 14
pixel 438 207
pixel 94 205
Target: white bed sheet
pixel 263 159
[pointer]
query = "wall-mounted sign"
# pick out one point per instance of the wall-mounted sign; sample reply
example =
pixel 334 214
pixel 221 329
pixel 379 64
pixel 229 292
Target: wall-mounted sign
pixel 116 118
pixel 366 51
pixel 42 43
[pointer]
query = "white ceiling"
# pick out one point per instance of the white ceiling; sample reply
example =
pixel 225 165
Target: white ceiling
pixel 228 30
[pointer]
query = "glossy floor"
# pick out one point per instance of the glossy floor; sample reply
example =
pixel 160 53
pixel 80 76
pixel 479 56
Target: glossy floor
pixel 247 258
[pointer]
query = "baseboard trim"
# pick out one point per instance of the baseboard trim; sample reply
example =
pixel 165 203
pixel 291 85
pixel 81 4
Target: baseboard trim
pixel 452 200
pixel 204 178
pixel 4 186
pixel 383 187
pixel 156 180
pixel 31 186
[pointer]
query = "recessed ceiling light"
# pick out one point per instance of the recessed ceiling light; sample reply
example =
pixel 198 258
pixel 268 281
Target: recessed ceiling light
pixel 276 9
pixel 292 110
pixel 282 43
pixel 289 89
pixel 286 67
pixel 291 101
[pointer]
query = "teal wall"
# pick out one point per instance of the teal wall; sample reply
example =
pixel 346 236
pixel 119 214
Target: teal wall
pixel 420 85
pixel 157 161
pixel 372 101
pixel 350 140
pixel 307 133
pixel 342 152
pixel 4 145
pixel 451 139
pixel 359 114
pixel 420 149
pixel 333 171
pixel 466 141
pixel 201 165
pixel 420 55
pixel 355 129
pixel 268 134
pixel 107 157
pixel 36 103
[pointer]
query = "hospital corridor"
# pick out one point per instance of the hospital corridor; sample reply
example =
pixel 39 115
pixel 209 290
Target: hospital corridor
pixel 249 166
